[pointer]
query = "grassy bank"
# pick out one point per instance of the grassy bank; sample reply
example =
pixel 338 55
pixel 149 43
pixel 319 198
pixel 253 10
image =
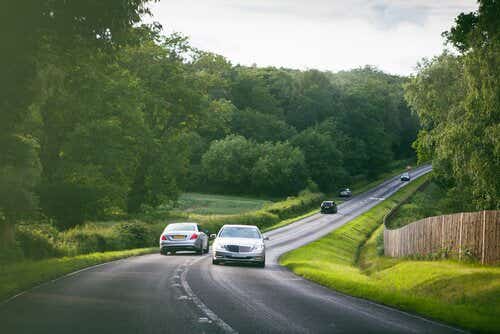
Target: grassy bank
pixel 349 260
pixel 17 277
pixel 429 201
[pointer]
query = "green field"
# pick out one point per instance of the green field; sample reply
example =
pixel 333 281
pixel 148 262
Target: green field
pixel 348 260
pixel 209 204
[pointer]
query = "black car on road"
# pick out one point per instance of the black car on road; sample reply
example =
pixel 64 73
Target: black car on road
pixel 328 207
pixel 405 177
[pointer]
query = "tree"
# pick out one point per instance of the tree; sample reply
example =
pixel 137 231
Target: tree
pixel 323 158
pixel 457 100
pixel 260 127
pixel 229 162
pixel 280 170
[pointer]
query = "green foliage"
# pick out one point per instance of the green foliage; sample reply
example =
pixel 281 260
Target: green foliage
pixel 19 174
pixel 430 201
pixel 294 206
pixel 229 162
pixel 270 215
pixel 111 119
pixel 323 158
pixel 456 99
pixel 261 127
pixel 281 169
pixel 37 241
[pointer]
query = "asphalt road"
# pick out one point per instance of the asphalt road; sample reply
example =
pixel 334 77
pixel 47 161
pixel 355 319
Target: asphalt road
pixel 185 293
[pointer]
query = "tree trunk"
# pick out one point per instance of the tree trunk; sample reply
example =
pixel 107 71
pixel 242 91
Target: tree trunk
pixel 7 236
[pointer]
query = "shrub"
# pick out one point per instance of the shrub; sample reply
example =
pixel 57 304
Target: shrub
pixel 37 241
pixel 294 206
pixel 87 239
pixel 133 234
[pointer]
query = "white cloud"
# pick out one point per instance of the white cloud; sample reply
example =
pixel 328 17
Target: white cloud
pixel 324 34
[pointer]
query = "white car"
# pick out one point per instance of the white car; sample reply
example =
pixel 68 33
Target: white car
pixel 239 243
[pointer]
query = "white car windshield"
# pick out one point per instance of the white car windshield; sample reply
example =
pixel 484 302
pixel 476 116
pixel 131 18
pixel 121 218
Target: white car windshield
pixel 180 227
pixel 239 232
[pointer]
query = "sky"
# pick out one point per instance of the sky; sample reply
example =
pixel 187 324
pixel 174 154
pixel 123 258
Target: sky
pixel 333 35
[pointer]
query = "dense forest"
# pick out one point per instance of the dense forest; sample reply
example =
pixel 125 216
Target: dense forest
pixel 102 116
pixel 457 99
pixel 112 117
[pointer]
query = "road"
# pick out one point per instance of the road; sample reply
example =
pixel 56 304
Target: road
pixel 185 293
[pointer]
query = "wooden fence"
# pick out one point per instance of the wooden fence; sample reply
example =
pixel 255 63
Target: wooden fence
pixel 464 235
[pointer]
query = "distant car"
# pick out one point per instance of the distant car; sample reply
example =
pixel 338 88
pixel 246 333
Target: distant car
pixel 239 243
pixel 346 192
pixel 328 207
pixel 183 237
pixel 405 177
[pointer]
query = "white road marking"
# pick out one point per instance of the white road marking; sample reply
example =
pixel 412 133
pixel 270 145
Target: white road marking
pixel 204 308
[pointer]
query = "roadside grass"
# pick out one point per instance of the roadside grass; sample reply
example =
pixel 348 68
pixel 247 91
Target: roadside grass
pixel 348 260
pixel 206 204
pixel 397 168
pixel 22 275
pixel 429 201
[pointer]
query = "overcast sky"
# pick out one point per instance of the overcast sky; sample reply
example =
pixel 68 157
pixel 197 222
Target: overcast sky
pixel 322 34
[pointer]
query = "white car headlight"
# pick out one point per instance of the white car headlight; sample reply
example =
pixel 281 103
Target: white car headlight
pixel 258 247
pixel 218 246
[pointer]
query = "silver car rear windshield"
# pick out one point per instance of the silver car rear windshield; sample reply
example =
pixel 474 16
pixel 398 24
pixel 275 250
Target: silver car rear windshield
pixel 239 232
pixel 181 227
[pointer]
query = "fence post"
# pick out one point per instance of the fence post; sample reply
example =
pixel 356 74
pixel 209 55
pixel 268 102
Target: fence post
pixel 484 235
pixel 460 237
pixel 442 236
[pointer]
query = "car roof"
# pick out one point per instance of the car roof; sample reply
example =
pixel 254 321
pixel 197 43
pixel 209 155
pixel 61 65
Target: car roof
pixel 328 202
pixel 235 225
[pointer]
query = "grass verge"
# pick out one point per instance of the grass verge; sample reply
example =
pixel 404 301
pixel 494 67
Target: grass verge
pixel 20 276
pixel 348 260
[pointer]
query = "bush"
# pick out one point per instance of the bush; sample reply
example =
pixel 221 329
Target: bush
pixel 88 239
pixel 133 234
pixel 294 206
pixel 266 217
pixel 37 241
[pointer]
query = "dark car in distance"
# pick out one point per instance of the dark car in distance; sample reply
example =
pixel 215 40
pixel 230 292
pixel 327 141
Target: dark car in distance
pixel 405 177
pixel 346 192
pixel 328 207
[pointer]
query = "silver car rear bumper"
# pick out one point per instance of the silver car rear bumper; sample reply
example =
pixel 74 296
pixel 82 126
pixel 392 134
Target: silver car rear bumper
pixel 181 245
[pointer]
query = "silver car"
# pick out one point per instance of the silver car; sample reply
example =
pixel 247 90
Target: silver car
pixel 183 237
pixel 239 243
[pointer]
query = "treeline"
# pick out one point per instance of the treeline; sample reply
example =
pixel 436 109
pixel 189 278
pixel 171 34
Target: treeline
pixel 109 118
pixel 457 98
pixel 283 129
